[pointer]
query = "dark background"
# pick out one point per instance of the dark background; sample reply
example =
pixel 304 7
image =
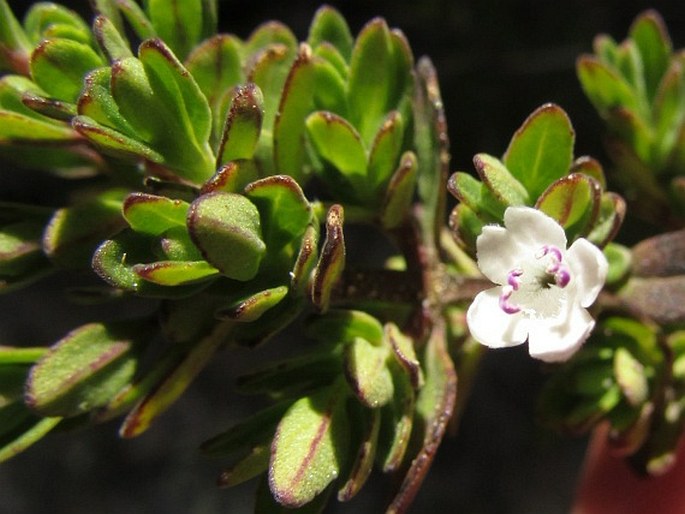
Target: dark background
pixel 497 62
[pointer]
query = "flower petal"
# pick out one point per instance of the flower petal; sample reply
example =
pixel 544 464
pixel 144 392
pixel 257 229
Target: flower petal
pixel 491 326
pixel 589 270
pixel 533 228
pixel 498 253
pixel 555 340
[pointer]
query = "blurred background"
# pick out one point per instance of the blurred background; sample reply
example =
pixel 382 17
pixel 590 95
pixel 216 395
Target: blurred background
pixel 497 61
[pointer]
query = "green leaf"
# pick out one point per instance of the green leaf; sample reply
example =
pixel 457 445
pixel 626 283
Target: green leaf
pixel 139 22
pixel 342 325
pixel 289 125
pixel 541 150
pixel 86 368
pixel 174 382
pixel 434 408
pixel 254 463
pixel 226 228
pixel 337 142
pixel 379 74
pixel 669 113
pixel 630 376
pixel 20 248
pixel 500 181
pixel 367 373
pixel 215 65
pixel 590 167
pixel 15 47
pixel 329 26
pixel 285 212
pixel 178 91
pixel 115 258
pixel 26 430
pixel 651 37
pixel 59 65
pixel 49 19
pixel 266 504
pixel 112 142
pixel 365 427
pixel 331 262
pixel 250 309
pixel 74 232
pixel 400 192
pixel 112 43
pixel 15 127
pixel 310 447
pixel 180 23
pixel 269 72
pixel 154 215
pixel 397 422
pixel 96 102
pixel 573 201
pixel 269 36
pixel 466 225
pixel 432 149
pixel 612 211
pixel 385 150
pixel 604 86
pixel 620 262
pixel 232 177
pixel 306 260
pixel 403 348
pixel 174 273
pixel 330 73
pixel 243 125
pixel 475 195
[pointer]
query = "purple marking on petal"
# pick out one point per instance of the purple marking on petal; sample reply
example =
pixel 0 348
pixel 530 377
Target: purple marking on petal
pixel 504 304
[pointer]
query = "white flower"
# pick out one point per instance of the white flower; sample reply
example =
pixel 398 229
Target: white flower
pixel 543 289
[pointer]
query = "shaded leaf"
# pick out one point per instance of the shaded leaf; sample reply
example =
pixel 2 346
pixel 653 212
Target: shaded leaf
pixel 174 382
pixel 573 201
pixel 243 125
pixel 74 232
pixel 367 373
pixel 151 214
pixel 251 308
pixel 541 150
pixel 331 262
pixel 289 124
pixel 86 368
pixel 400 192
pixel 226 228
pixel 59 65
pixel 329 26
pixel 284 210
pixel 310 447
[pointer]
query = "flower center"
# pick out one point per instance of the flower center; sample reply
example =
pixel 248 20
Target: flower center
pixel 536 287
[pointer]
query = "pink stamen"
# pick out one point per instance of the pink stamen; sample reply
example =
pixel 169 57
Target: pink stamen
pixel 563 276
pixel 504 304
pixel 513 278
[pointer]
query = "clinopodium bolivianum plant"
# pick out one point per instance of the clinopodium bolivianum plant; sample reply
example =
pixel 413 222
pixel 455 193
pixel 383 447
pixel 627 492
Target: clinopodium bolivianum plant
pixel 217 176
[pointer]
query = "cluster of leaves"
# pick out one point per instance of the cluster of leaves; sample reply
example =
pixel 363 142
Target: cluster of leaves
pixel 538 169
pixel 187 159
pixel 638 88
pixel 630 372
